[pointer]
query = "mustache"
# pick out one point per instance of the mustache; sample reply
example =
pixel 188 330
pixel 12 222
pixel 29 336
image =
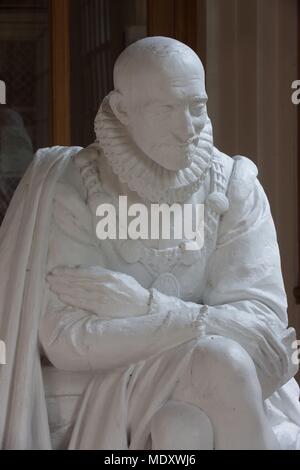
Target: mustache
pixel 193 141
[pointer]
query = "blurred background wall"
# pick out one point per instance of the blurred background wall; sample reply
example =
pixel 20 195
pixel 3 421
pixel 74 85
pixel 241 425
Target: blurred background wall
pixel 251 62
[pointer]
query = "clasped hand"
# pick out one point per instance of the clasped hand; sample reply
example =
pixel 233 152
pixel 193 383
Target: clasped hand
pixel 106 293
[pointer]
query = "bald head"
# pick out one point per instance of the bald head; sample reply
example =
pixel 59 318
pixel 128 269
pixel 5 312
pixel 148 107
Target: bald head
pixel 160 98
pixel 154 58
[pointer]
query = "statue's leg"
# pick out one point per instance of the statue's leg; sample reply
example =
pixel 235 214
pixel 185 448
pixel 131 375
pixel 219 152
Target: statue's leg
pixel 181 426
pixel 222 381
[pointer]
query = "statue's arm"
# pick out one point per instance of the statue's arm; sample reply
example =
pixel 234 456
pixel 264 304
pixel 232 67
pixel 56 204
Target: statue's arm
pixel 245 288
pixel 77 339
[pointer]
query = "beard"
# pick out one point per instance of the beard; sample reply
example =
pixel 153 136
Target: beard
pixel 145 174
pixel 172 156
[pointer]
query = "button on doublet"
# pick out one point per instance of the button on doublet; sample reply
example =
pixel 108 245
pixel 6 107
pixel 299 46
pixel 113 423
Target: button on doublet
pixel 218 202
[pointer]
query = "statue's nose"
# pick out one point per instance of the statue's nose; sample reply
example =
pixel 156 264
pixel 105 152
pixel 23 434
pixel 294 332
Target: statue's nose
pixel 186 130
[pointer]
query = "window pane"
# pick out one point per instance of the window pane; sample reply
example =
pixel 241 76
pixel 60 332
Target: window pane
pixel 100 30
pixel 25 70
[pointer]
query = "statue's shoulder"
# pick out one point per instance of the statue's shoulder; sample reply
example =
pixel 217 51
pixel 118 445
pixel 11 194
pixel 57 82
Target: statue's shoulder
pixel 242 175
pixel 69 190
pixel 56 162
pixel 70 178
pixel 70 210
pixel 50 155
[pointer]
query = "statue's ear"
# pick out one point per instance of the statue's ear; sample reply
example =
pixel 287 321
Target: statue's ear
pixel 116 101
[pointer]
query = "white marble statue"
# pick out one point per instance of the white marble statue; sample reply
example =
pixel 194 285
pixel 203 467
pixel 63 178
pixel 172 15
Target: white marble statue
pixel 145 344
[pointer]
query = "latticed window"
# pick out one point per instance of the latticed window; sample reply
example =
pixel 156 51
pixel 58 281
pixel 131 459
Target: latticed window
pixel 99 31
pixel 25 69
pixel 56 59
pixel 92 62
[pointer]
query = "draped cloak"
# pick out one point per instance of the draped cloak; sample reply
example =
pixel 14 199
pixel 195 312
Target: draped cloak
pixel 23 251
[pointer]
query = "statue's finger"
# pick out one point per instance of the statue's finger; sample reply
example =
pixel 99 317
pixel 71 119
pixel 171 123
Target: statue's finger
pixel 280 352
pixel 271 358
pixel 81 272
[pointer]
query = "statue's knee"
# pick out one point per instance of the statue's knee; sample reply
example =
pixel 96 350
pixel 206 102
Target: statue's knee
pixel 220 361
pixel 179 425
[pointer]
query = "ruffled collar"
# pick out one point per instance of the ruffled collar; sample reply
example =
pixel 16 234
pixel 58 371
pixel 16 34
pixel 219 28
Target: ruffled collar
pixel 151 181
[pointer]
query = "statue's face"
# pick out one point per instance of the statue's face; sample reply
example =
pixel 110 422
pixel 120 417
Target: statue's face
pixel 169 113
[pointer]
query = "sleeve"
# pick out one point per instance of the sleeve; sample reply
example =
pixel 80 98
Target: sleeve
pixel 244 288
pixel 244 271
pixel 78 340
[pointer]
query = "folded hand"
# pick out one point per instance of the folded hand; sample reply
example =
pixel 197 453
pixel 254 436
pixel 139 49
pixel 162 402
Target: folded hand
pixel 106 293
